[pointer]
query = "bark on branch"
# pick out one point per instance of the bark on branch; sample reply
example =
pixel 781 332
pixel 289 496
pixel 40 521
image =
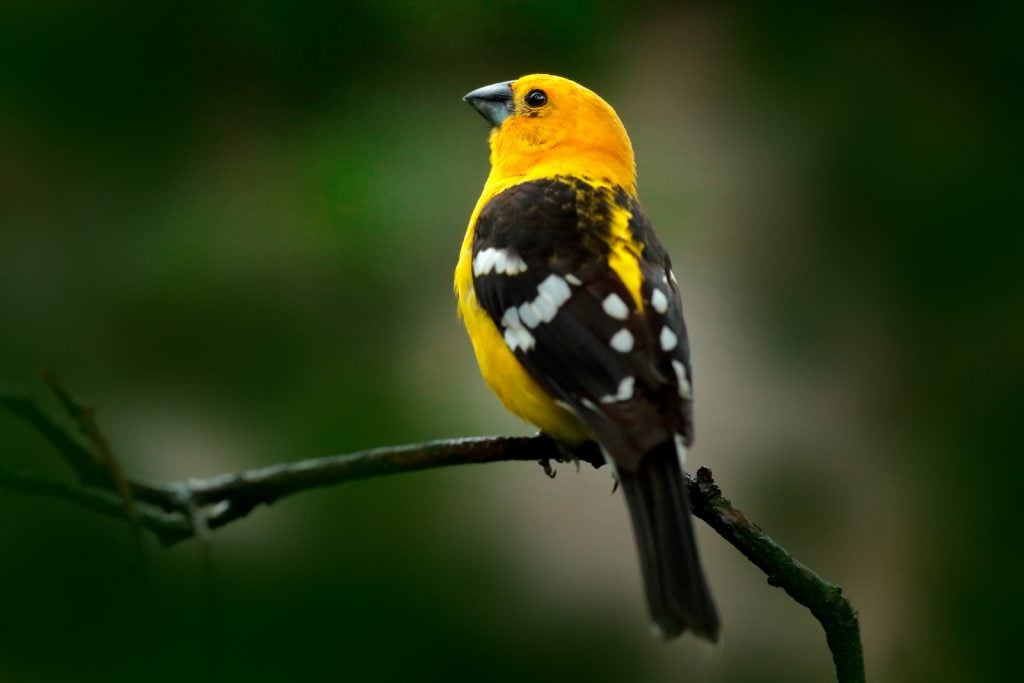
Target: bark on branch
pixel 180 510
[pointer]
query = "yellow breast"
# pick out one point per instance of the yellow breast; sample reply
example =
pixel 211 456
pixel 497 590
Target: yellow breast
pixel 498 365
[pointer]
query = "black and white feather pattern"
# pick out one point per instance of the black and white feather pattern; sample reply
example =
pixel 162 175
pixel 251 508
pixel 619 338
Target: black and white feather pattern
pixel 541 271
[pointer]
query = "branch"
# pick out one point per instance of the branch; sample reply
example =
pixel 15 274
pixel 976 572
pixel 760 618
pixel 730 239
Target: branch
pixel 825 600
pixel 180 510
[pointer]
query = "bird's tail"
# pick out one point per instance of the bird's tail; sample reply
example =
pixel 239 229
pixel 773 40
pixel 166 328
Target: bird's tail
pixel 677 594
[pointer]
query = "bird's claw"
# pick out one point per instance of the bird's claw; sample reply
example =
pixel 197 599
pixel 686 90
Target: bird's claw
pixel 545 464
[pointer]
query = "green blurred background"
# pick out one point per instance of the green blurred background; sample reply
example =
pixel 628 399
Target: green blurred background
pixel 231 226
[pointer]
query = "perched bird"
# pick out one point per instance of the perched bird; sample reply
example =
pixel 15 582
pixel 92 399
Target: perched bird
pixel 575 316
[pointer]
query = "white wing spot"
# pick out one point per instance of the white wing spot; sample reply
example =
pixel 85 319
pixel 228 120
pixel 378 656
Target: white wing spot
pixel 615 307
pixel 554 287
pixel 587 403
pixel 573 280
pixel 551 294
pixel 526 340
pixel 501 261
pixel 685 392
pixel 516 336
pixel 622 341
pixel 668 339
pixel 515 265
pixel 545 309
pixel 659 301
pixel 484 261
pixel 510 339
pixel 511 318
pixel 528 314
pixel 624 393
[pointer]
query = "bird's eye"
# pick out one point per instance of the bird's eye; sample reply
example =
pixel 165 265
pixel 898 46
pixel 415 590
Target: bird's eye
pixel 536 98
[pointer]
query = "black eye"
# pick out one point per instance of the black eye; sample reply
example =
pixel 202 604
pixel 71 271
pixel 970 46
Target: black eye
pixel 536 98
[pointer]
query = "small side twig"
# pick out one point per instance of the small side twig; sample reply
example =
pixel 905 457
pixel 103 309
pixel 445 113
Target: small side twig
pixel 85 418
pixel 81 460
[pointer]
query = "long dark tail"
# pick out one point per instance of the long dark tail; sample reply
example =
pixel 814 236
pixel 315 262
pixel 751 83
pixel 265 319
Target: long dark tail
pixel 677 594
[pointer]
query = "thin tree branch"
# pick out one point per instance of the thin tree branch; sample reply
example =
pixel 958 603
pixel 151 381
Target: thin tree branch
pixel 825 600
pixel 85 417
pixel 175 511
pixel 167 526
pixel 23 406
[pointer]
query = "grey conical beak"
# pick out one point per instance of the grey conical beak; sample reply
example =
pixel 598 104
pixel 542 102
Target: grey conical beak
pixel 494 102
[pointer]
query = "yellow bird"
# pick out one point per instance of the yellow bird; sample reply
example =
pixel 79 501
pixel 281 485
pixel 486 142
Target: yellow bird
pixel 576 320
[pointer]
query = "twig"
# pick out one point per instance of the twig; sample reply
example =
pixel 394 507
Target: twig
pixel 85 418
pixel 87 469
pixel 179 510
pixel 169 527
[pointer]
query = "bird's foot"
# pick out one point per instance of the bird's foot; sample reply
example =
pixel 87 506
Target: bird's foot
pixel 556 451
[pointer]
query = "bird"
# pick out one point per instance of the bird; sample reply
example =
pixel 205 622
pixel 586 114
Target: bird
pixel 576 320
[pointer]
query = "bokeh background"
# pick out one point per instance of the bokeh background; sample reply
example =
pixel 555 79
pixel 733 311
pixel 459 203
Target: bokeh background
pixel 230 227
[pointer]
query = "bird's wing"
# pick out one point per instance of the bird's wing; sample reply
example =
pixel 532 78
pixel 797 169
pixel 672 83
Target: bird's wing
pixel 542 270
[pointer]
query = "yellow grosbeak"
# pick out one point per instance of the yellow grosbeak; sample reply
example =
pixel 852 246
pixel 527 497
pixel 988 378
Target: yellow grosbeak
pixel 576 320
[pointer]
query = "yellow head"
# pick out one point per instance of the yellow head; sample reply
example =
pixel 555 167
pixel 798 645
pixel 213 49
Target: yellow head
pixel 548 125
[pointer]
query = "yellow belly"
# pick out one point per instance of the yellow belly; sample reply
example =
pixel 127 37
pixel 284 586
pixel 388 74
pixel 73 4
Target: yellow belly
pixel 503 373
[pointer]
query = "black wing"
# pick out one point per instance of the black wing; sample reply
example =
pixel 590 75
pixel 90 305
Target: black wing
pixel 541 272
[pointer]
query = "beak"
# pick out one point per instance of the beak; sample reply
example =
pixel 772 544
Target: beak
pixel 494 102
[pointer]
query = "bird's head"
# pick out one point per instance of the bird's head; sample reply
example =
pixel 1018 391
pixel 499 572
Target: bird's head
pixel 548 125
